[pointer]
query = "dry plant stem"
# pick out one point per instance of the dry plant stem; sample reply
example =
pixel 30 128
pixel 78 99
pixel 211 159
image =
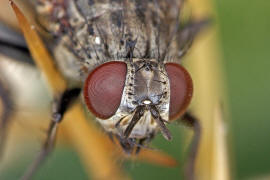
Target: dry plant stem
pixel 205 67
pixel 155 157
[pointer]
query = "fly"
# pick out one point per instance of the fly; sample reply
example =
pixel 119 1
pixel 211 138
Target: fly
pixel 124 57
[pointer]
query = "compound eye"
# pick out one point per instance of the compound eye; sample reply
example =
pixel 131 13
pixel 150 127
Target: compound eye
pixel 181 89
pixel 103 89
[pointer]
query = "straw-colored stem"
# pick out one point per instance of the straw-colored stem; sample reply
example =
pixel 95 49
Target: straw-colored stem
pixel 204 63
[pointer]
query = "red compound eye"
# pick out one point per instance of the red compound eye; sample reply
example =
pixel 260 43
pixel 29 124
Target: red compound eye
pixel 181 89
pixel 103 89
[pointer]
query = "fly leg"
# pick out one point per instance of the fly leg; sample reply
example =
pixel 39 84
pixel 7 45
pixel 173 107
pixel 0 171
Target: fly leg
pixel 186 35
pixel 191 121
pixel 60 106
pixel 5 113
pixel 143 142
pixel 56 82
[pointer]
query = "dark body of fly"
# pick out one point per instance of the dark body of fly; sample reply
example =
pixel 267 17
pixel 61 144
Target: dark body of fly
pixel 125 55
pixel 146 36
pixel 88 33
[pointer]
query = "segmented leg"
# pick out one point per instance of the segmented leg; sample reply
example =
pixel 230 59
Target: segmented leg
pixel 132 145
pixel 59 108
pixel 164 130
pixel 191 121
pixel 143 142
pixel 5 112
pixel 56 83
pixel 186 35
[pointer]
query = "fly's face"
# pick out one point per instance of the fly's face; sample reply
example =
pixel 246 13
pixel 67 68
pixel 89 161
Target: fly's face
pixel 125 57
pixel 134 99
pixel 125 53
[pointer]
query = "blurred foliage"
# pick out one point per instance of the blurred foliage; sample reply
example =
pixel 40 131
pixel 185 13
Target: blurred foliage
pixel 245 42
pixel 244 28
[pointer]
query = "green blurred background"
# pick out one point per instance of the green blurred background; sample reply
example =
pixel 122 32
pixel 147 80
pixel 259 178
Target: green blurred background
pixel 245 43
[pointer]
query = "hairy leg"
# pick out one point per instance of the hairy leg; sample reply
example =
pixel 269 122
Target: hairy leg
pixel 186 35
pixel 191 121
pixel 56 82
pixel 60 106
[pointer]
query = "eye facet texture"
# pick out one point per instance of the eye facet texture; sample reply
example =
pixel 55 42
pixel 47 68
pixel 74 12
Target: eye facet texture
pixel 103 89
pixel 181 89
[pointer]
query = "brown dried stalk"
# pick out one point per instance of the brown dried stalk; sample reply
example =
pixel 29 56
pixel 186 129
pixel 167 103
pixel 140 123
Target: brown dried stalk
pixel 205 65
